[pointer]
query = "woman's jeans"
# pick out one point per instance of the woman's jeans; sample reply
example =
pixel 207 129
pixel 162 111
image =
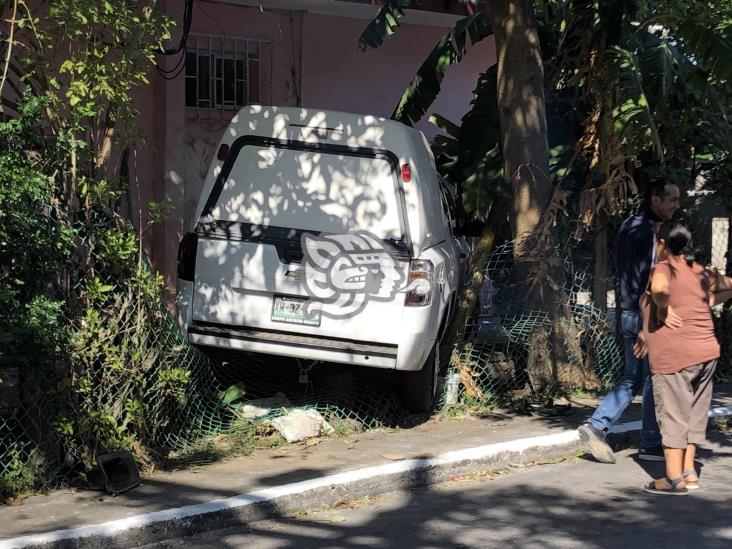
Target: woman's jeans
pixel 635 377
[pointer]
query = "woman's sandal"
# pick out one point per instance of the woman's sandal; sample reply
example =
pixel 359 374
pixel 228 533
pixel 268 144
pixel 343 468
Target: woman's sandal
pixel 691 484
pixel 674 490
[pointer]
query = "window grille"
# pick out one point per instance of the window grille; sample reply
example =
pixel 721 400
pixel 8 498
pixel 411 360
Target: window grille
pixel 225 74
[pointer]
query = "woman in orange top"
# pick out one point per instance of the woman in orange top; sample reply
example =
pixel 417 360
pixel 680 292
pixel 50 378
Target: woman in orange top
pixel 682 351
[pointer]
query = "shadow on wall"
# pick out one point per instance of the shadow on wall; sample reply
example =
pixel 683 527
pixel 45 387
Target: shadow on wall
pixel 199 152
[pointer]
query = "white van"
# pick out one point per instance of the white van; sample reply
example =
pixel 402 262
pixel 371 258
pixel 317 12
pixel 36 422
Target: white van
pixel 324 236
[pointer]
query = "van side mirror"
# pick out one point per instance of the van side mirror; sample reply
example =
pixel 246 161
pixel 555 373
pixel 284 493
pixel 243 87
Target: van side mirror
pixel 472 228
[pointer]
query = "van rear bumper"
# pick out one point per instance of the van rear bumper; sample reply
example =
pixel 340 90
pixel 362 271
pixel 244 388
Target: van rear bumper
pixel 309 347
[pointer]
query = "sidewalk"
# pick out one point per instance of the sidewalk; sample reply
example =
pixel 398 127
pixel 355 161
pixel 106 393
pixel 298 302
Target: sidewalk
pixel 295 476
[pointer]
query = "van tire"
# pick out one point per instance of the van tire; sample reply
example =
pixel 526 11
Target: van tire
pixel 419 389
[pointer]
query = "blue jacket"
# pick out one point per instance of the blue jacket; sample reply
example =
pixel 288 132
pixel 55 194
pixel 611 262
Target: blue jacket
pixel 634 258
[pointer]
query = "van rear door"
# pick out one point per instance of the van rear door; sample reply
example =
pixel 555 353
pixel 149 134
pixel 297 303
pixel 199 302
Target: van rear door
pixel 270 192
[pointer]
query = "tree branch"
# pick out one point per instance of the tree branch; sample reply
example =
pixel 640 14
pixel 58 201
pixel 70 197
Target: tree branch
pixel 10 48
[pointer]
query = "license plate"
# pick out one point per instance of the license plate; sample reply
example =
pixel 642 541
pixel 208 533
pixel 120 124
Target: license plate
pixel 292 310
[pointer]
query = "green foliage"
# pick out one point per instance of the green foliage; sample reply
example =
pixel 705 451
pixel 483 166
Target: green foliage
pixel 384 24
pixel 119 379
pixel 709 44
pixel 640 77
pixel 233 394
pixel 19 476
pixel 632 114
pixel 79 308
pixel 450 49
pixel 34 241
pixel 471 157
pixel 660 75
pixel 102 64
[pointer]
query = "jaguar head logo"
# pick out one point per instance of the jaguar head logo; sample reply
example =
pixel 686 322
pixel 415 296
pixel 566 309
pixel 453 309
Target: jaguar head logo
pixel 345 271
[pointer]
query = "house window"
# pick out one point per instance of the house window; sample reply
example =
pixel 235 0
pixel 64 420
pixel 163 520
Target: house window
pixel 224 74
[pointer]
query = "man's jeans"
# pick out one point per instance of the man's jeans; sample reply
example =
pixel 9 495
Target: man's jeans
pixel 635 377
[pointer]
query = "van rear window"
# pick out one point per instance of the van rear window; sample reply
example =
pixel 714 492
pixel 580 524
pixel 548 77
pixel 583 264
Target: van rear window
pixel 311 190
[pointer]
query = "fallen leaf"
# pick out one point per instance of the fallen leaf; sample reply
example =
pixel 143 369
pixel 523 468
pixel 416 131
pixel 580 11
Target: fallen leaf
pixel 14 502
pixel 392 457
pixel 312 441
pixel 336 519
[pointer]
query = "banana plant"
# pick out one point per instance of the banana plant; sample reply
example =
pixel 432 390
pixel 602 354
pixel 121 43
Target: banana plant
pixel 468 155
pixel 660 79
pixel 449 50
pixel 384 24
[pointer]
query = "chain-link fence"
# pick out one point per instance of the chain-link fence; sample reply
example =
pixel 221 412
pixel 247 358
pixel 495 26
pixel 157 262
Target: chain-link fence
pixel 506 339
pixel 168 396
pixel 51 410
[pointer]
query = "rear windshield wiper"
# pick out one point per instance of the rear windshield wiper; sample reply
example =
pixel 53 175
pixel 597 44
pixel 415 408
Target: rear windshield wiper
pixel 397 243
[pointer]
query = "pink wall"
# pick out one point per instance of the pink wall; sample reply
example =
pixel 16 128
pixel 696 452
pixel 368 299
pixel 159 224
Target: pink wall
pixel 373 81
pixel 314 58
pixel 180 146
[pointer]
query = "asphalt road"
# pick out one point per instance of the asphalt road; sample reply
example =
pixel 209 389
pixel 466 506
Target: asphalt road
pixel 577 503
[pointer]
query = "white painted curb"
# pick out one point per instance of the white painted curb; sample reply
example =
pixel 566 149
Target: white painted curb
pixel 181 514
pixel 115 527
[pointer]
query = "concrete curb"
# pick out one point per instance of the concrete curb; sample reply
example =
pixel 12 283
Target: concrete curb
pixel 324 491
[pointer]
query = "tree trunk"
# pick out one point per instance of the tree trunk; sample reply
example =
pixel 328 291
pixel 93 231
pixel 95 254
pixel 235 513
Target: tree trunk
pixel 455 343
pixel 523 118
pixel 539 270
pixel 599 278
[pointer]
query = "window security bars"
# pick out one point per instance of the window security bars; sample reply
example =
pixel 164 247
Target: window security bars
pixel 225 74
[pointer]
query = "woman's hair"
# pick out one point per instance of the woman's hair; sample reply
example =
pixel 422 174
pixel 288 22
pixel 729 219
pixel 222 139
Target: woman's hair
pixel 677 239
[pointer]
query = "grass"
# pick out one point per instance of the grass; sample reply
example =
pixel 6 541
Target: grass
pixel 18 480
pixel 470 406
pixel 344 427
pixel 356 503
pixel 242 438
pixel 491 474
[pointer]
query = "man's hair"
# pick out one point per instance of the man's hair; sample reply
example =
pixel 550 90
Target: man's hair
pixel 657 187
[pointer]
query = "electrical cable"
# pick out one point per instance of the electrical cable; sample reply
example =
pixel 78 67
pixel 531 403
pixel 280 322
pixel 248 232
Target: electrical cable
pixel 175 68
pixel 187 18
pixel 165 74
pixel 172 74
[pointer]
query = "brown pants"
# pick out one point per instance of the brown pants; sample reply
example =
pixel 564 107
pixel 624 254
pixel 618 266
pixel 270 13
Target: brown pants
pixel 682 404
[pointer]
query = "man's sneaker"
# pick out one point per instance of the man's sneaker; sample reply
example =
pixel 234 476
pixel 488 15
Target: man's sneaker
pixel 654 453
pixel 595 439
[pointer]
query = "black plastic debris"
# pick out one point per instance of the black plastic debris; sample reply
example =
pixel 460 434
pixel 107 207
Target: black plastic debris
pixel 116 473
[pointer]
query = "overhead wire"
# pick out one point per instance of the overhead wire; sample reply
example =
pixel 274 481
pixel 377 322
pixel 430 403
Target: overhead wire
pixel 187 18
pixel 180 48
pixel 179 66
pixel 167 74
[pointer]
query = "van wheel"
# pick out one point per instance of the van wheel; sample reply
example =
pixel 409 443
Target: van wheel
pixel 419 389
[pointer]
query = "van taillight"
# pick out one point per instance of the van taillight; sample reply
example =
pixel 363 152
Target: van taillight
pixel 406 173
pixel 187 256
pixel 419 288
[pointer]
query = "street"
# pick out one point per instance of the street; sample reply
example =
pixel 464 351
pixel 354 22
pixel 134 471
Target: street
pixel 576 503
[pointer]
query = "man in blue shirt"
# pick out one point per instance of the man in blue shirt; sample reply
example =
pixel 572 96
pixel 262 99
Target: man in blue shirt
pixel 634 257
